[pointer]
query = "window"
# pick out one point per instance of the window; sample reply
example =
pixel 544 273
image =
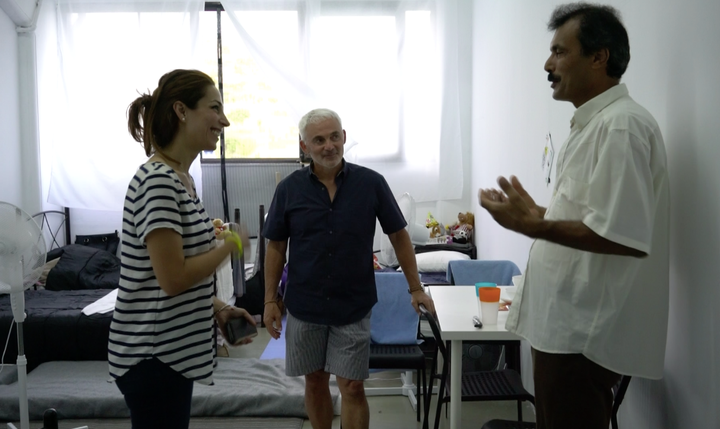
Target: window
pixel 377 63
pixel 373 62
pixel 260 125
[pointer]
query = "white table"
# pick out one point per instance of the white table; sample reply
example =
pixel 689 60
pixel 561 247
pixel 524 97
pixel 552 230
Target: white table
pixel 455 306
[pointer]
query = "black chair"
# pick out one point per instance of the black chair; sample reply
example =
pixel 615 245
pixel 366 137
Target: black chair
pixel 618 396
pixel 397 349
pixel 502 385
pixel 391 356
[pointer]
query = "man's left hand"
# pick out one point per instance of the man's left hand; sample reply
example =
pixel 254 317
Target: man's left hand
pixel 420 297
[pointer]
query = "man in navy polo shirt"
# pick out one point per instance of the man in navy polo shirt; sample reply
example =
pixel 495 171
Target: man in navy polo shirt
pixel 328 212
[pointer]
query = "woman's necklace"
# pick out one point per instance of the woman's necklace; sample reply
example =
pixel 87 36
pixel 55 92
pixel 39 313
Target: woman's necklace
pixel 166 157
pixel 184 177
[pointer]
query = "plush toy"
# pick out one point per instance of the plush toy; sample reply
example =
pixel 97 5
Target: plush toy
pixel 460 237
pixel 221 230
pixel 434 225
pixel 465 224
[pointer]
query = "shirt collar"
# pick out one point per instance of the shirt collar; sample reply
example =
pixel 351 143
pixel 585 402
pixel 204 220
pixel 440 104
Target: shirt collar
pixel 343 170
pixel 585 113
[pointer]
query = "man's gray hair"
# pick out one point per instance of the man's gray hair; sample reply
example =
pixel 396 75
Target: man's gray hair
pixel 314 116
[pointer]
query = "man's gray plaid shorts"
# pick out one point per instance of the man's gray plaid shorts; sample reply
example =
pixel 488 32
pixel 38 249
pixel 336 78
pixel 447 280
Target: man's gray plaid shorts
pixel 341 350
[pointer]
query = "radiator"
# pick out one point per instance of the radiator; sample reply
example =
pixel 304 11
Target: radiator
pixel 248 186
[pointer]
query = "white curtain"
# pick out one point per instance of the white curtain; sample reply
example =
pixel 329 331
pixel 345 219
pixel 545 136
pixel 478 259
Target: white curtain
pixel 389 68
pixel 109 51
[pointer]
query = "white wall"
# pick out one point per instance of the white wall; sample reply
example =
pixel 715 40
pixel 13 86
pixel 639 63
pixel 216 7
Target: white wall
pixel 10 161
pixel 673 73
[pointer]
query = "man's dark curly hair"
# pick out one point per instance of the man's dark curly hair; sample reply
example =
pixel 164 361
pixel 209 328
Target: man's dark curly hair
pixel 600 27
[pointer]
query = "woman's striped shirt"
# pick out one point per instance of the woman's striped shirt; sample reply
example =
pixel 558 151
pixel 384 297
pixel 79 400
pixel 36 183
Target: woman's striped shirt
pixel 177 330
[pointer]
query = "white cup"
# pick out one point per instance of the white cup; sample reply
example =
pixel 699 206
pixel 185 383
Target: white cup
pixel 489 304
pixel 489 312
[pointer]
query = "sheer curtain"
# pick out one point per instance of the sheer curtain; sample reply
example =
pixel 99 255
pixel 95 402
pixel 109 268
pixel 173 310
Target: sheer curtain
pixel 389 68
pixel 109 52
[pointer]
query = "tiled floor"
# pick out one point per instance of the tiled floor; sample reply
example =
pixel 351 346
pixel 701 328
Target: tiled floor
pixel 395 412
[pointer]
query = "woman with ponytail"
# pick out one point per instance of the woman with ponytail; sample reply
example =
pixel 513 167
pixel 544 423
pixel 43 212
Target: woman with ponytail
pixel 162 332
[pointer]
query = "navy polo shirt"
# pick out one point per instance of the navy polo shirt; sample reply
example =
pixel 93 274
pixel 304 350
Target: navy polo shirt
pixel 331 280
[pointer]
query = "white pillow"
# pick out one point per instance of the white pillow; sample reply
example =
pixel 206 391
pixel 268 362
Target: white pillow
pixel 434 262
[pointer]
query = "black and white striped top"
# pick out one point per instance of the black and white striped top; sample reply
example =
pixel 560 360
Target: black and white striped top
pixel 147 322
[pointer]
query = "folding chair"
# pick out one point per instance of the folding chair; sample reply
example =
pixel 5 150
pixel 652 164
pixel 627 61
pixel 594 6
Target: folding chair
pixel 618 396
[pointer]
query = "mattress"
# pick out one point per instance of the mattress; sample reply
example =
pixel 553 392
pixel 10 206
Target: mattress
pixel 55 328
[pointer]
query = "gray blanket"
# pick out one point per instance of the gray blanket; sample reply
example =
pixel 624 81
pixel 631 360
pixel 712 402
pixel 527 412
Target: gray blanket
pixel 80 390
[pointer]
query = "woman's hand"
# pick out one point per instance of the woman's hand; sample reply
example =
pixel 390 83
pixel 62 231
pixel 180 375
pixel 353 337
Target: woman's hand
pixel 231 312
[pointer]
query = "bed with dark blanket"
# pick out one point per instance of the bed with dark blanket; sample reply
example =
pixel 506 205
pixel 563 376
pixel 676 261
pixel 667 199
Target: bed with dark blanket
pixel 75 276
pixel 433 278
pixel 56 329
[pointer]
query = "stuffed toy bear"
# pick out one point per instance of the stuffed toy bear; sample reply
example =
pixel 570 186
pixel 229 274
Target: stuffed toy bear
pixel 465 224
pixel 221 230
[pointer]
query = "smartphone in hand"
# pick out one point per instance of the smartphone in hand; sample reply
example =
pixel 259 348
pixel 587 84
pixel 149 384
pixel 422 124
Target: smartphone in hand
pixel 239 329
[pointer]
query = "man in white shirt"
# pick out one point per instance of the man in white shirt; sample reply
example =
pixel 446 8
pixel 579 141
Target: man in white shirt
pixel 593 301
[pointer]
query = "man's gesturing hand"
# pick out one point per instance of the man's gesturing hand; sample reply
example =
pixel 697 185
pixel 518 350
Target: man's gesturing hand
pixel 511 206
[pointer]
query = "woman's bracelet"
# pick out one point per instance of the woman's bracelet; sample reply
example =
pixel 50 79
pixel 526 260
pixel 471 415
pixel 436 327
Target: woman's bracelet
pixel 273 301
pixel 221 309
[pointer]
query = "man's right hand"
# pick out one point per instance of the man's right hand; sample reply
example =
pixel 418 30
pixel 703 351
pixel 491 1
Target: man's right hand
pixel 272 318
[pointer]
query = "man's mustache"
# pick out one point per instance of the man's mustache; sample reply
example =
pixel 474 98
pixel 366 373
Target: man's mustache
pixel 553 78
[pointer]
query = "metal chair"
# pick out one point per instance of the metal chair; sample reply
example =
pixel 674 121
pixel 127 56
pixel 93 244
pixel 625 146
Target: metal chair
pixel 503 385
pixel 397 348
pixel 618 396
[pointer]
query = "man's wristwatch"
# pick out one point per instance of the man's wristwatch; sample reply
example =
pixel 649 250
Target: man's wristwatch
pixel 422 288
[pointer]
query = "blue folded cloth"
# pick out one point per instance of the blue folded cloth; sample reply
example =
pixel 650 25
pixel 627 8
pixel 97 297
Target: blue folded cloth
pixel 469 272
pixel 393 319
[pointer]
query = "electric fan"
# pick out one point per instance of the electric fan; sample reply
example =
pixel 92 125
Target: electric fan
pixel 419 235
pixel 22 256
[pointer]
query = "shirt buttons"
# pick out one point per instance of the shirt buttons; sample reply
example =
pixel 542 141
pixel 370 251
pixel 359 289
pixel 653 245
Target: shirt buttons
pixel 331 231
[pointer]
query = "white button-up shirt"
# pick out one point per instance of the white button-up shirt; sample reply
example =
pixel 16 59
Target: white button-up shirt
pixel 612 176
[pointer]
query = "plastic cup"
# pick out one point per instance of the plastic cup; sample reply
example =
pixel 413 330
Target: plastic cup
pixel 489 304
pixel 483 284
